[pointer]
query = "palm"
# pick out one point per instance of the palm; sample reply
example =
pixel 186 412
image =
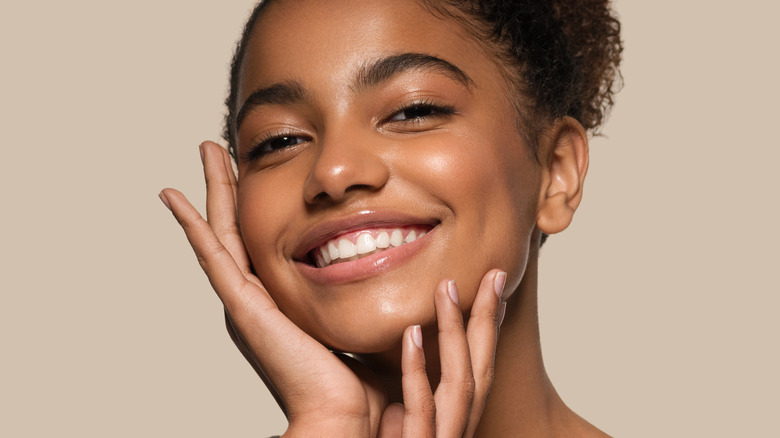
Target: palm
pixel 332 386
pixel 319 391
pixel 304 376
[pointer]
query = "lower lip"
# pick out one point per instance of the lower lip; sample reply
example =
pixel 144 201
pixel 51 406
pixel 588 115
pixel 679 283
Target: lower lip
pixel 360 269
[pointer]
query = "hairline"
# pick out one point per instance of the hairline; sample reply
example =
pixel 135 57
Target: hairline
pixel 508 68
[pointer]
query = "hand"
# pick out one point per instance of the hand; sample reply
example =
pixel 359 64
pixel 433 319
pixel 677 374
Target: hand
pixel 467 357
pixel 318 392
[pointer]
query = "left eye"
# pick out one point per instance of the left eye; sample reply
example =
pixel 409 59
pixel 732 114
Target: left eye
pixel 421 111
pixel 414 112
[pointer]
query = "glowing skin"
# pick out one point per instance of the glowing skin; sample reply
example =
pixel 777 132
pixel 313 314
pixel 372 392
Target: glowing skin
pixel 354 161
pixel 379 158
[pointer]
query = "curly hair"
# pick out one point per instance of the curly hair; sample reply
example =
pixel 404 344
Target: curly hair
pixel 561 56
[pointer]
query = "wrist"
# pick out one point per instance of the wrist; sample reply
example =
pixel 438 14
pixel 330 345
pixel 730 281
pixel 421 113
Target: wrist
pixel 341 427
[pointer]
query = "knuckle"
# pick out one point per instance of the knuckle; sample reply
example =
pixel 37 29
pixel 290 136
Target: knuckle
pixel 212 250
pixel 464 381
pixel 208 253
pixel 469 386
pixel 190 222
pixel 201 260
pixel 486 375
pixel 224 225
pixel 484 317
pixel 484 382
pixel 490 313
pixel 452 329
pixel 424 407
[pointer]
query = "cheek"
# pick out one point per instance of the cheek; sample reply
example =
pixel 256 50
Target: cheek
pixel 265 204
pixel 491 186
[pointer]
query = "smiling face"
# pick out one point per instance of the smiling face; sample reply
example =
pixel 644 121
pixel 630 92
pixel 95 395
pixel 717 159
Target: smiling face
pixel 378 154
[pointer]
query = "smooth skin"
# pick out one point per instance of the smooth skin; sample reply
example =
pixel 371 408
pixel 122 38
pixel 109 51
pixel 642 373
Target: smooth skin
pixel 470 171
pixel 323 395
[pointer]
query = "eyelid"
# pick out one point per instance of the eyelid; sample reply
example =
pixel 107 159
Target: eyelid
pixel 255 150
pixel 440 110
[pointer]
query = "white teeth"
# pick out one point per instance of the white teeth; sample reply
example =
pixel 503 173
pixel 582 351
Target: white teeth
pixel 397 238
pixel 383 240
pixel 347 249
pixel 333 251
pixel 343 250
pixel 365 243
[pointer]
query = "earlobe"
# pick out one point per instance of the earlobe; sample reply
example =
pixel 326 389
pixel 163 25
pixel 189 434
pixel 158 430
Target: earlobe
pixel 565 158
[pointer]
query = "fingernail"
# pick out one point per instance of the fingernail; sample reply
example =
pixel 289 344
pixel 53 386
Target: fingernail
pixel 499 282
pixel 165 200
pixel 202 154
pixel 417 336
pixel 501 313
pixel 453 291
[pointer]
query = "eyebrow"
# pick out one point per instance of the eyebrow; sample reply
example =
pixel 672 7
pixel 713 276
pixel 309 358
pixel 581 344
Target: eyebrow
pixel 282 93
pixel 385 69
pixel 370 75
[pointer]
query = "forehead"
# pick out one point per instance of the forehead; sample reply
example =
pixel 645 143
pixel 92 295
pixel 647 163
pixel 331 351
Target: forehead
pixel 326 42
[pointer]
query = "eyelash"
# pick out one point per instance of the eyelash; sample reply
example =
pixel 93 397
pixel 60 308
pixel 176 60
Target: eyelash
pixel 263 147
pixel 435 110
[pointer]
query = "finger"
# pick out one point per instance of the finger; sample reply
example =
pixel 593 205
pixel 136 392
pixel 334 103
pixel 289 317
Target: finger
pixel 391 424
pixel 482 334
pixel 232 287
pixel 221 202
pixel 289 357
pixel 419 408
pixel 243 347
pixel 456 388
pixel 231 173
pixel 372 390
pixel 249 305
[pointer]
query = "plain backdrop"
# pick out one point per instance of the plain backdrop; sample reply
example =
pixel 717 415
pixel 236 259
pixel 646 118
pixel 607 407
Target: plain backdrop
pixel 658 306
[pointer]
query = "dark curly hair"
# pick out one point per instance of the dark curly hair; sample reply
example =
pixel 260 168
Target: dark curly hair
pixel 561 56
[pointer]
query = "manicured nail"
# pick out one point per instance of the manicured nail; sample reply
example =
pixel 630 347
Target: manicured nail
pixel 165 200
pixel 499 282
pixel 453 291
pixel 202 154
pixel 501 313
pixel 417 336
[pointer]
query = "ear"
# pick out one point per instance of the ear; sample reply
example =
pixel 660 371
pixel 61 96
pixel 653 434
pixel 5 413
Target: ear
pixel 564 156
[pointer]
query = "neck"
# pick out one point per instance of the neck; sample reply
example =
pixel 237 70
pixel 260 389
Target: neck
pixel 526 403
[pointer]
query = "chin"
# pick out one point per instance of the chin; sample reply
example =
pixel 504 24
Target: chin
pixel 367 329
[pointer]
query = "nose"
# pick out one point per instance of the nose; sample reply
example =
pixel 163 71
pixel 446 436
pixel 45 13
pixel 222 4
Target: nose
pixel 344 165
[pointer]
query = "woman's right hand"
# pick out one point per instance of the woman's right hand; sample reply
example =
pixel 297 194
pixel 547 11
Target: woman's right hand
pixel 320 393
pixel 317 391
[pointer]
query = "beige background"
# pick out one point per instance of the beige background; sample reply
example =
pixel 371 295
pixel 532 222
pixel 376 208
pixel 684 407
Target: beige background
pixel 658 306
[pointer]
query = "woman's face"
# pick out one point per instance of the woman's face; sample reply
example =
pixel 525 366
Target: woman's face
pixel 364 122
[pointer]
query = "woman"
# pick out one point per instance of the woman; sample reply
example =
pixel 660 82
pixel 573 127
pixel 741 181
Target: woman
pixel 399 165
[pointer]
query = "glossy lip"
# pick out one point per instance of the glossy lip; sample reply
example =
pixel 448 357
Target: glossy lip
pixel 355 270
pixel 360 269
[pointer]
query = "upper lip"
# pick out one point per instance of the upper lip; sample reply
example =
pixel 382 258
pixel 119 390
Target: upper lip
pixel 323 231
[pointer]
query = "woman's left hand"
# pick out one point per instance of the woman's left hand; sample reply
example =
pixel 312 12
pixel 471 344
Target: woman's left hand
pixel 467 358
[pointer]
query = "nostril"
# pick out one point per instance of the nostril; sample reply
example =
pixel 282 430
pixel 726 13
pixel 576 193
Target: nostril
pixel 342 169
pixel 334 196
pixel 360 187
pixel 320 197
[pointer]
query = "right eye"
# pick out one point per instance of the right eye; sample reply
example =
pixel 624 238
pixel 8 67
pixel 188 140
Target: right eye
pixel 273 143
pixel 280 142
